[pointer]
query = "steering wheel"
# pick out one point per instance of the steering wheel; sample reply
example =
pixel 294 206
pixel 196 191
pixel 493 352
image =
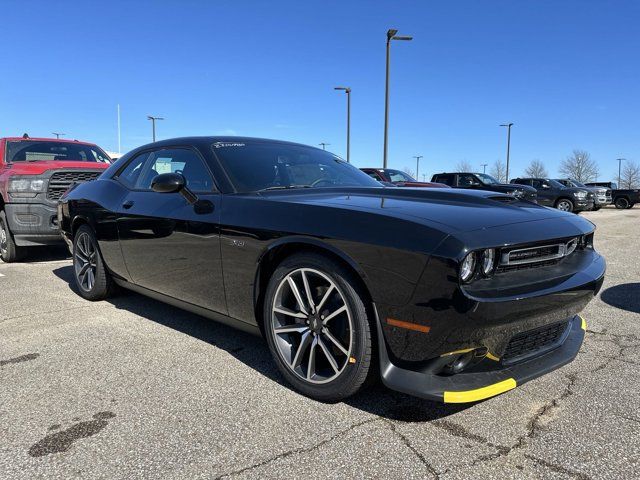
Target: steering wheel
pixel 321 180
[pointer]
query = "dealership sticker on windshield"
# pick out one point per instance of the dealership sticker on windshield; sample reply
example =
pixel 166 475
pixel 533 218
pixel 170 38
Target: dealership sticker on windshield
pixel 223 144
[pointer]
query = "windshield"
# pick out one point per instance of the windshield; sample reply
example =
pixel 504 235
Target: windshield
pixel 487 179
pixel 252 167
pixel 398 176
pixel 34 150
pixel 556 184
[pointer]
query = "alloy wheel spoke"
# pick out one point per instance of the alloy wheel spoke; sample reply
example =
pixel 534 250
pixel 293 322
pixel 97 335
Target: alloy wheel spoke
pixel 296 293
pixel 84 268
pixel 90 278
pixel 335 341
pixel 295 328
pixel 311 367
pixel 329 356
pixel 305 341
pixel 290 313
pixel 325 297
pixel 307 290
pixel 334 314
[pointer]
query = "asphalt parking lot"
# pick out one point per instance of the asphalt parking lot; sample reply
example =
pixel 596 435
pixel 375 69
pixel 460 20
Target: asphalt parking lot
pixel 133 388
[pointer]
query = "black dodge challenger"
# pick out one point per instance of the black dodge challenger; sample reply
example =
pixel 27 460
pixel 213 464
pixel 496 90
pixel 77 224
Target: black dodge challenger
pixel 445 294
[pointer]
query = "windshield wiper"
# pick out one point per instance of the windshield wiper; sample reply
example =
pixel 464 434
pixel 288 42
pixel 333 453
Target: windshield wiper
pixel 284 187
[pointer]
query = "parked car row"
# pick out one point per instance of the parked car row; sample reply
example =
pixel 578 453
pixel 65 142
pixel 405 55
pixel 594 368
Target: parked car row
pixel 348 281
pixel 622 198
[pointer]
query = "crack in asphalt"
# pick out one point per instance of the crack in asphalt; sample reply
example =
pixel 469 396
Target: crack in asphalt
pixel 20 359
pixel 557 468
pixel 295 451
pixel 415 451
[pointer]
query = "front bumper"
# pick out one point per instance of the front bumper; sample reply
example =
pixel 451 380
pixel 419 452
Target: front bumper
pixel 485 380
pixel 33 223
pixel 584 204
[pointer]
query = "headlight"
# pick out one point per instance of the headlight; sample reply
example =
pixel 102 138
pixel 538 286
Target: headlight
pixel 488 261
pixel 580 194
pixel 467 267
pixel 25 185
pixel 518 193
pixel 571 246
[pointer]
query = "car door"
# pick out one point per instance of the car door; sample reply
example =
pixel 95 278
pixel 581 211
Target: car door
pixel 169 245
pixel 546 194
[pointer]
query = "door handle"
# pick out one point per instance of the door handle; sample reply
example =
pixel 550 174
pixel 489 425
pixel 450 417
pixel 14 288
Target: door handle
pixel 128 204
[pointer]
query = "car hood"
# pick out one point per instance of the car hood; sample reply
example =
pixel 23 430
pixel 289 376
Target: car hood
pixel 422 184
pixel 510 187
pixel 455 210
pixel 39 167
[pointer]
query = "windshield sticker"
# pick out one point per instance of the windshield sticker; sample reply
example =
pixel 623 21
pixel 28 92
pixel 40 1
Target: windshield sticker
pixel 224 144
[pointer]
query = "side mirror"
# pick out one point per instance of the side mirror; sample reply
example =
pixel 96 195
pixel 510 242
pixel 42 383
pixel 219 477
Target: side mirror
pixel 171 183
pixel 546 185
pixel 168 183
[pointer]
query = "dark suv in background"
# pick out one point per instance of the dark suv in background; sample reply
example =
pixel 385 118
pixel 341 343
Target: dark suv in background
pixel 482 181
pixel 554 194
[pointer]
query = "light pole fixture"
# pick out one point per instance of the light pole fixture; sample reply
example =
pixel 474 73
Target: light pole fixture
pixel 153 124
pixel 347 90
pixel 508 125
pixel 58 134
pixel 484 167
pixel 324 144
pixel 417 157
pixel 391 35
pixel 620 160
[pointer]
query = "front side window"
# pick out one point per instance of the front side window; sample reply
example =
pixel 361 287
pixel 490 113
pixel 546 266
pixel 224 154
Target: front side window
pixel 253 167
pixel 468 180
pixel 35 150
pixel 176 160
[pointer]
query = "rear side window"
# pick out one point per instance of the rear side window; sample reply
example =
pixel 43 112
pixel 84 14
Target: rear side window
pixel 446 179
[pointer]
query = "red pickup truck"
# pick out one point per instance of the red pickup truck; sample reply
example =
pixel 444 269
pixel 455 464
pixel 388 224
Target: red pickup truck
pixel 34 173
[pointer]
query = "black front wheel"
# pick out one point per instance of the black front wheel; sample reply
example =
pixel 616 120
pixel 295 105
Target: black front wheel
pixel 92 279
pixel 317 327
pixel 565 205
pixel 9 251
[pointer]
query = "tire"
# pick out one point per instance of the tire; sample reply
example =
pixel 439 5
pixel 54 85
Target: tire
pixel 622 203
pixel 565 205
pixel 630 205
pixel 596 208
pixel 91 277
pixel 346 336
pixel 9 251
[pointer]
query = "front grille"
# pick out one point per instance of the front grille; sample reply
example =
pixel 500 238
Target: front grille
pixel 525 266
pixel 61 181
pixel 528 343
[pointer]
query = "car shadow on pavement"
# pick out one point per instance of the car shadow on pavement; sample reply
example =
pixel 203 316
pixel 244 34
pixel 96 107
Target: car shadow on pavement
pixel 46 254
pixel 625 296
pixel 253 352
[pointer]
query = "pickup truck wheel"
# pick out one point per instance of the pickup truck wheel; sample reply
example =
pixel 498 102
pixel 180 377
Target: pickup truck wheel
pixel 9 251
pixel 631 205
pixel 622 203
pixel 91 276
pixel 565 205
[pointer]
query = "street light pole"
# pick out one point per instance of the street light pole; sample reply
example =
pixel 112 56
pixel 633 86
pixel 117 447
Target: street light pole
pixel 58 134
pixel 324 144
pixel 153 124
pixel 620 160
pixel 484 167
pixel 347 90
pixel 508 125
pixel 417 157
pixel 391 35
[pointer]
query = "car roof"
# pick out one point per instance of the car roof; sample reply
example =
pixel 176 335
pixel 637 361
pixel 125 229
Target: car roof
pixel 42 139
pixel 208 140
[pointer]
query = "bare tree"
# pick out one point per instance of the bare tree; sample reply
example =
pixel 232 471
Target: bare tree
pixel 536 169
pixel 630 175
pixel 579 166
pixel 499 171
pixel 409 172
pixel 463 166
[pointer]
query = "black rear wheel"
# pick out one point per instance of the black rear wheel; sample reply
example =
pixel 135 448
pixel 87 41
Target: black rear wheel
pixel 9 251
pixel 622 203
pixel 92 279
pixel 317 327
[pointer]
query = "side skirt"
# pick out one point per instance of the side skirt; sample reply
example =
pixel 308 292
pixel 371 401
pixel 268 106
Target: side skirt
pixel 218 317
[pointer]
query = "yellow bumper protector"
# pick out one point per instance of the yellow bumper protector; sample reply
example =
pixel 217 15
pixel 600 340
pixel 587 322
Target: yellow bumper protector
pixel 584 323
pixel 491 356
pixel 464 350
pixel 479 393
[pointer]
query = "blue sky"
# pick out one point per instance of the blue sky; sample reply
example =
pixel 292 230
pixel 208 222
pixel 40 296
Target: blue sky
pixel 565 72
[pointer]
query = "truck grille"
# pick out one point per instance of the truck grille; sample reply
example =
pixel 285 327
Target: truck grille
pixel 61 181
pixel 534 341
